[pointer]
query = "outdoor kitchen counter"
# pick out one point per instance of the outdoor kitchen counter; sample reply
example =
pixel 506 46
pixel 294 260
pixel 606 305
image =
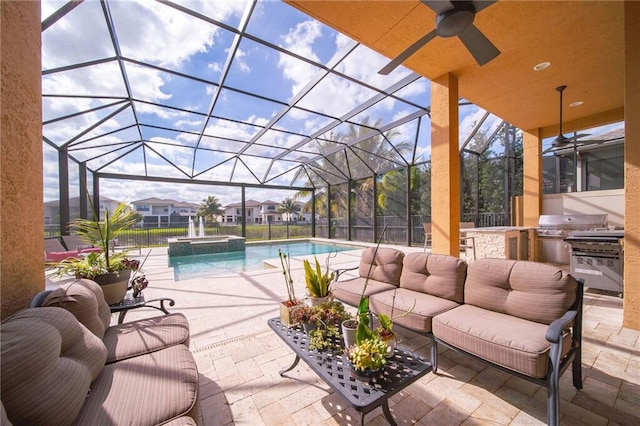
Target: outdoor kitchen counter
pixel 503 242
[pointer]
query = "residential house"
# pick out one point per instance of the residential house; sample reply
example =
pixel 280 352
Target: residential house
pixel 164 212
pixel 261 212
pixel 52 209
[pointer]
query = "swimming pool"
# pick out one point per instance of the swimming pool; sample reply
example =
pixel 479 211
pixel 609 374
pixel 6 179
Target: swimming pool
pixel 201 265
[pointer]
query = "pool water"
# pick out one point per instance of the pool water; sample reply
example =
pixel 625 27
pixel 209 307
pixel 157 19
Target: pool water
pixel 204 265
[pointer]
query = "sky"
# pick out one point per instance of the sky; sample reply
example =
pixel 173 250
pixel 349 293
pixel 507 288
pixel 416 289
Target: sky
pixel 143 115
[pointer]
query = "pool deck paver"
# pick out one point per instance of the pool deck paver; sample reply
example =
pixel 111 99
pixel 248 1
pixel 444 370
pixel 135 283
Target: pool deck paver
pixel 239 357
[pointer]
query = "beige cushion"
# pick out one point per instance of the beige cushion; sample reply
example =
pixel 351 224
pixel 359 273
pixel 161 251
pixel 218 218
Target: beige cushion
pixel 436 274
pixel 146 335
pixel 420 318
pixel 350 291
pixel 530 290
pixel 145 390
pixel 386 267
pixel 511 342
pixel 84 299
pixel 48 360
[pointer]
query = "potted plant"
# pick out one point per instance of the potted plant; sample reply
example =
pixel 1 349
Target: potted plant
pixel 385 329
pixel 287 306
pixel 369 353
pixel 111 270
pixel 305 315
pixel 329 315
pixel 367 357
pixel 317 280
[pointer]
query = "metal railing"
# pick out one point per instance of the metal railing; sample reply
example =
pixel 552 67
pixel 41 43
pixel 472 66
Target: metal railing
pixel 361 230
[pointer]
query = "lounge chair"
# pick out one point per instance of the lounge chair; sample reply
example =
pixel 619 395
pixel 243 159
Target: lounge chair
pixel 55 252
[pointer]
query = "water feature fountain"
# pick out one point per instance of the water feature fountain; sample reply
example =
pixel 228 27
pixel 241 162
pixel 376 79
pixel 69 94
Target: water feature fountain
pixel 201 228
pixel 191 231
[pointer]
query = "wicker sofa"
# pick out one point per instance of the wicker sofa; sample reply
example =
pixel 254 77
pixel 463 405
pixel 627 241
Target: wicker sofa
pixel 57 370
pixel 524 318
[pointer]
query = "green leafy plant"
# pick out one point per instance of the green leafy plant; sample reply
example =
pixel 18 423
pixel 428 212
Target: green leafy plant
pixel 325 338
pixel 317 280
pixel 304 313
pixel 100 233
pixel 331 312
pixel 328 315
pixel 370 351
pixel 369 354
pixel 385 329
pixel 363 331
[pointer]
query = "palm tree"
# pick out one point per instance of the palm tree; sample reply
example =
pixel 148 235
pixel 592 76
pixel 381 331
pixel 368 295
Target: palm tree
pixel 377 152
pixel 210 208
pixel 288 207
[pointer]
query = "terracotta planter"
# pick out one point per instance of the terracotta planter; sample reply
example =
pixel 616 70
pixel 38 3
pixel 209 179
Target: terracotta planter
pixel 114 285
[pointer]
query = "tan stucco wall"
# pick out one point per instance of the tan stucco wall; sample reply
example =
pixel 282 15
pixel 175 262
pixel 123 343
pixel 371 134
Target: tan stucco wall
pixel 445 166
pixel 21 210
pixel 532 171
pixel 631 317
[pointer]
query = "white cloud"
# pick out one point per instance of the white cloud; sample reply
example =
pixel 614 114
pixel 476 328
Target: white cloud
pixel 300 40
pixel 241 62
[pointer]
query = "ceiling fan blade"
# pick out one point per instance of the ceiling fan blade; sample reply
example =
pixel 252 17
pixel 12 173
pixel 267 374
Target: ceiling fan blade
pixel 561 141
pixel 437 6
pixel 479 5
pixel 408 52
pixel 482 50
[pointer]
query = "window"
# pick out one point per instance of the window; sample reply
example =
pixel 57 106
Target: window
pixel 604 169
pixel 596 168
pixel 558 174
pixel 271 208
pixel 238 211
pixel 142 208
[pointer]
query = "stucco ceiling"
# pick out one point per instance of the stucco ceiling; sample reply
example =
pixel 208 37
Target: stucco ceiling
pixel 583 40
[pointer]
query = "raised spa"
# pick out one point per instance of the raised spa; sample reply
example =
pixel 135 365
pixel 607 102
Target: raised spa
pixel 186 246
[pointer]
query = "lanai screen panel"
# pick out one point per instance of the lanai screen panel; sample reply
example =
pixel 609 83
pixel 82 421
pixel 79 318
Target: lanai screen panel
pixel 248 92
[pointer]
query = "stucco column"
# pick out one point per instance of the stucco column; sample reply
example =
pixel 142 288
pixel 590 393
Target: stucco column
pixel 21 205
pixel 445 166
pixel 631 316
pixel 532 175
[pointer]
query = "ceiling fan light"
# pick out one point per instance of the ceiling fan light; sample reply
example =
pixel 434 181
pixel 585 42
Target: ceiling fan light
pixel 541 66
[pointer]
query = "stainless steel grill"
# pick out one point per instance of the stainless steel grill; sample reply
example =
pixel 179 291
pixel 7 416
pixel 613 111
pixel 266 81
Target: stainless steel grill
pixel 598 257
pixel 553 229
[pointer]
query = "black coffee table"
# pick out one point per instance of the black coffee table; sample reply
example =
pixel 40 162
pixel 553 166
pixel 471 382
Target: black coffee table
pixel 401 370
pixel 139 302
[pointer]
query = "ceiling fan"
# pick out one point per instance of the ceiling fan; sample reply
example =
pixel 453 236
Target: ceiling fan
pixel 453 18
pixel 561 141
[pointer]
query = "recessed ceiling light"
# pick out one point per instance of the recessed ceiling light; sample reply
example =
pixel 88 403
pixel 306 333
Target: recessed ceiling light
pixel 541 66
pixel 575 104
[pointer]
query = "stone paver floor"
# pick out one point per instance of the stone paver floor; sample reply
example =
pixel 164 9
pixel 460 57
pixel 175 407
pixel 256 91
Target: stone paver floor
pixel 239 357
